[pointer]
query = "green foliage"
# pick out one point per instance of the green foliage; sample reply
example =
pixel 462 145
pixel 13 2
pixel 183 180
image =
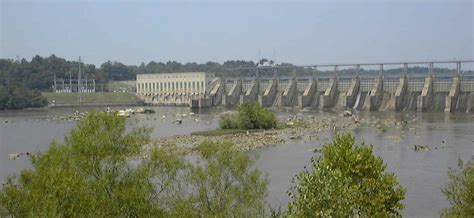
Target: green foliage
pixel 92 174
pixel 17 97
pixel 460 191
pixel 346 181
pixel 224 184
pixel 254 116
pixel 250 116
pixel 87 175
pixel 228 121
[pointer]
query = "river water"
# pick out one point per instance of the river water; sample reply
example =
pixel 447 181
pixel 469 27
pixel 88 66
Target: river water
pixel 449 136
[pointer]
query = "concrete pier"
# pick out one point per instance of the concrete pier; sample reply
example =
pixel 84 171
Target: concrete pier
pixel 374 97
pixel 215 92
pixel 231 98
pixel 328 99
pixel 452 98
pixel 400 93
pixel 288 94
pixel 307 98
pixel 470 103
pixel 251 94
pixel 269 94
pixel 352 92
pixel 423 101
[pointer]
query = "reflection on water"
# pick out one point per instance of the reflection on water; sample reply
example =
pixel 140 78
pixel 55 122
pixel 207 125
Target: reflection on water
pixel 449 136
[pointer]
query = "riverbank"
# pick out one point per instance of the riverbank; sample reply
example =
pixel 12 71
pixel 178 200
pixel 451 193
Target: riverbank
pixel 92 99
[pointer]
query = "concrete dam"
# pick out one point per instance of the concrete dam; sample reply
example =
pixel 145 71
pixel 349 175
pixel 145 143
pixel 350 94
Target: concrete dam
pixel 382 92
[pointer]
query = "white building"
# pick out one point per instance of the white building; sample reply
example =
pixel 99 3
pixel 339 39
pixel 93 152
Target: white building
pixel 172 88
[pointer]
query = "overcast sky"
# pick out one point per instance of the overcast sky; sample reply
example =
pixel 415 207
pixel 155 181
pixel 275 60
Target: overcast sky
pixel 301 32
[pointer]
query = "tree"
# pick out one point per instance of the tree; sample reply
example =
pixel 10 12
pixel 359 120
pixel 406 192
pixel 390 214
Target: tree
pixel 346 180
pixel 250 116
pixel 460 191
pixel 93 174
pixel 87 175
pixel 224 183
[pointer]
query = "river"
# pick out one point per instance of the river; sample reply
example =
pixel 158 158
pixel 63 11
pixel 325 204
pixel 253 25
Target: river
pixel 449 136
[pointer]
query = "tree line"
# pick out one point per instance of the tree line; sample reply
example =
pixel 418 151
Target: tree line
pixel 31 77
pixel 38 74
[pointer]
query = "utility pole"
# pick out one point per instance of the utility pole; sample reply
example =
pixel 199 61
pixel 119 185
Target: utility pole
pixel 54 83
pixel 87 89
pixel 79 82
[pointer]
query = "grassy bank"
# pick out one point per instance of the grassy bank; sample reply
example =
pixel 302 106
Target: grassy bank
pixel 91 98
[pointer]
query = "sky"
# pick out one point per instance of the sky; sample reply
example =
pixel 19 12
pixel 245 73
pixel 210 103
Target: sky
pixel 298 32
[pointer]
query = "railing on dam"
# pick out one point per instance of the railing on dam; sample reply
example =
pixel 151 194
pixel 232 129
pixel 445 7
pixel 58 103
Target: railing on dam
pixel 246 84
pixel 467 85
pixel 442 85
pixel 366 84
pixel 283 84
pixel 344 84
pixel 323 84
pixel 301 85
pixel 390 84
pixel 264 83
pixel 416 84
pixel 229 84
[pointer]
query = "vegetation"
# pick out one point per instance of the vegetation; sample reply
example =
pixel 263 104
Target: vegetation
pixel 92 174
pixel 17 97
pixel 250 116
pixel 38 73
pixel 346 181
pixel 460 191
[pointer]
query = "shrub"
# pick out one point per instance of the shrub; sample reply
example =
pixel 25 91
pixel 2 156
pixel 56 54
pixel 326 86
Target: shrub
pixel 250 116
pixel 228 121
pixel 346 181
pixel 460 191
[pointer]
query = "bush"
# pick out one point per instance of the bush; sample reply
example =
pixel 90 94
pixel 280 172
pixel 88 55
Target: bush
pixel 346 181
pixel 250 116
pixel 460 191
pixel 228 121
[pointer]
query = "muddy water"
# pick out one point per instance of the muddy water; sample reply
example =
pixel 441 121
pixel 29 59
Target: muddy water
pixel 449 136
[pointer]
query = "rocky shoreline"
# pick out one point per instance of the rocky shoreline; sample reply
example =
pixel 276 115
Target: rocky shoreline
pixel 298 130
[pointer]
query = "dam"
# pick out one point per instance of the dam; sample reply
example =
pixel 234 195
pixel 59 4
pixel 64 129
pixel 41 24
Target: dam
pixel 373 92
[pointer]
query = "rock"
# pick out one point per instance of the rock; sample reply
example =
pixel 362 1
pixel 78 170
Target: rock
pixel 347 114
pixel 420 147
pixel 178 121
